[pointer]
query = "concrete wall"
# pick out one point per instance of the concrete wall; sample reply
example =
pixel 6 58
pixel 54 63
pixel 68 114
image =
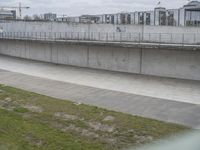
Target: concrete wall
pixel 169 34
pixel 99 57
pixel 33 26
pixel 172 63
pixel 159 62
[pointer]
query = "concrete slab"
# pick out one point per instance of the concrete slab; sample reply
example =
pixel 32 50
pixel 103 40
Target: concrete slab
pixel 164 88
pixel 161 109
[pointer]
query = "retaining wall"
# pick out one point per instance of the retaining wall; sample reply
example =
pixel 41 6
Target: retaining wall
pixel 159 62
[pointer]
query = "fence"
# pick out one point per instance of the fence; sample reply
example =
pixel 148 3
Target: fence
pixel 169 38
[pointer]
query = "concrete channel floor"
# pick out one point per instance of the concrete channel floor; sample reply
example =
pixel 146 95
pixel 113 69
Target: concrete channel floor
pixel 171 89
pixel 164 99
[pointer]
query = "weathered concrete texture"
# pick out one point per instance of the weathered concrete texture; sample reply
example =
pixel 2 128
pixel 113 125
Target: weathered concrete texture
pixel 75 55
pixel 99 57
pixel 159 62
pixel 38 51
pixel 187 91
pixel 161 109
pixel 113 58
pixel 172 63
pixel 170 34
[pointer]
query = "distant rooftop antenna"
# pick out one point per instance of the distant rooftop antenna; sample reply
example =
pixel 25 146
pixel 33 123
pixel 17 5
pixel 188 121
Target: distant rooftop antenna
pixel 158 4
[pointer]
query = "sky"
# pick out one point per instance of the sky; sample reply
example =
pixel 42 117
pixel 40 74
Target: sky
pixel 80 7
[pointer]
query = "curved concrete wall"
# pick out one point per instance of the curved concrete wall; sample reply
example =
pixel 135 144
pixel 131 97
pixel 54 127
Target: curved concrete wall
pixel 160 62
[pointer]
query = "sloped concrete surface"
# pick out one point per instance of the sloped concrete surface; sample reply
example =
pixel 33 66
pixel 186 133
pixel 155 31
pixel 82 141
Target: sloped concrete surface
pixel 161 109
pixel 165 88
pixel 164 99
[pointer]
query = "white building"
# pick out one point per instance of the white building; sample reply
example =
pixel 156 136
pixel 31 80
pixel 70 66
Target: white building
pixel 89 19
pixel 173 17
pixel 68 19
pixel 50 16
pixel 7 14
pixel 144 17
pixel 190 14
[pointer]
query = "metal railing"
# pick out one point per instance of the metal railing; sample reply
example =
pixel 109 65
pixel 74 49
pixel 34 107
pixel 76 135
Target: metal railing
pixel 166 38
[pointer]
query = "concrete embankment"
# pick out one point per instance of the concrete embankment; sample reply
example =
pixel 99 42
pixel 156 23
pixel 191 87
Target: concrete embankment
pixel 164 62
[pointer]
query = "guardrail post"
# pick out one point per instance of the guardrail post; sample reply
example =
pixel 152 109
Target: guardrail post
pixel 129 39
pixel 139 38
pixel 71 36
pixel 45 36
pixel 120 37
pixel 54 36
pixel 149 37
pixel 171 38
pixel 106 37
pixel 36 35
pixel 78 36
pixel 194 38
pixel 65 35
pixel 183 38
pixel 99 36
pixel 92 36
pixel 160 38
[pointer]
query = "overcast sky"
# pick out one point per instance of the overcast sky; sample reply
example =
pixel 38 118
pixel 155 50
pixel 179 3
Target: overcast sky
pixel 78 7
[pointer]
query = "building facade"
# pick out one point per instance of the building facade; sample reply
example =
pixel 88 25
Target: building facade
pixel 89 19
pixel 188 15
pixel 50 17
pixel 7 14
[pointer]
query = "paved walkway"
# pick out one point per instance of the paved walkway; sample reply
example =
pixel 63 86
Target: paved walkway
pixel 118 99
pixel 171 111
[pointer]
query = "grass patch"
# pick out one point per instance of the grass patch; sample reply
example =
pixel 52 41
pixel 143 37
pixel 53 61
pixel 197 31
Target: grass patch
pixel 30 121
pixel 21 110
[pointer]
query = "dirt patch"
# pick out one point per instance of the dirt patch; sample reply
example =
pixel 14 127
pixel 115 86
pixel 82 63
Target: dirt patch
pixel 109 118
pixel 65 116
pixel 142 139
pixel 109 140
pixel 73 128
pixel 34 141
pixel 8 104
pixel 32 108
pixel 26 116
pixel 100 127
pixel 78 103
pixel 88 133
pixel 8 99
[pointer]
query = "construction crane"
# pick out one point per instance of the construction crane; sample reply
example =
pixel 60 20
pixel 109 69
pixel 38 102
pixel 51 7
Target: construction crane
pixel 15 7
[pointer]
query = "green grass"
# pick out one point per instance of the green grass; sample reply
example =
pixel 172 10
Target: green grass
pixel 28 121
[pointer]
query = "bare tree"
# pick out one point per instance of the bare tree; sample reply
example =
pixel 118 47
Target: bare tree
pixel 27 17
pixel 37 17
